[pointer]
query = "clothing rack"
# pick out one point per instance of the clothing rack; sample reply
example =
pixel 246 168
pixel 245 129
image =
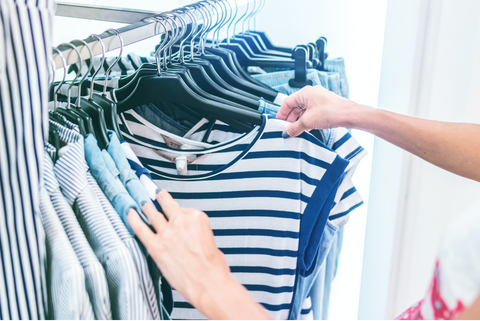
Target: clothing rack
pixel 134 32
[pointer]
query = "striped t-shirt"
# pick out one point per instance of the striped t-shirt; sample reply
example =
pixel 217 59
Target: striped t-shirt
pixel 267 198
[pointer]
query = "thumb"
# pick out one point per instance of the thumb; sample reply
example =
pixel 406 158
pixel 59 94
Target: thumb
pixel 294 129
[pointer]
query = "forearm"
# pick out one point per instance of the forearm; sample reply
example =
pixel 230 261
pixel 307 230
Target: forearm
pixel 226 299
pixel 451 146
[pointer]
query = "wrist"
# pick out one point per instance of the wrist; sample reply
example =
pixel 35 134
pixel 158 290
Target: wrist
pixel 218 289
pixel 357 116
pixel 225 298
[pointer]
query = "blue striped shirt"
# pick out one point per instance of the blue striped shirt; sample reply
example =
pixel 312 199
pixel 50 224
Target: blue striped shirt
pixel 263 195
pixel 67 294
pixel 127 298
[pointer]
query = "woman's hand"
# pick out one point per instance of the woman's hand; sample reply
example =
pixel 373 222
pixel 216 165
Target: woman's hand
pixel 444 144
pixel 323 109
pixel 184 250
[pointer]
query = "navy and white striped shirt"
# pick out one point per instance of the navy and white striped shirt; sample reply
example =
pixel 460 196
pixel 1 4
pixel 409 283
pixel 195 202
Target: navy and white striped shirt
pixel 25 28
pixel 263 195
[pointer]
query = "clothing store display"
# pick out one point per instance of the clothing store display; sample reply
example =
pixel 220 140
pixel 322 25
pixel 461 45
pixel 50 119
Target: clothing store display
pixel 204 130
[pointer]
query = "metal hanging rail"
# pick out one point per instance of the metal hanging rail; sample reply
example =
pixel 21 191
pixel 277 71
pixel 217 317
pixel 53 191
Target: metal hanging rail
pixel 130 34
pixel 111 14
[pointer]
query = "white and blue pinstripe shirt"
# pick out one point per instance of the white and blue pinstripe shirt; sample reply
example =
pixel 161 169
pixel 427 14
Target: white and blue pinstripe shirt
pixel 67 295
pixel 127 297
pixel 95 279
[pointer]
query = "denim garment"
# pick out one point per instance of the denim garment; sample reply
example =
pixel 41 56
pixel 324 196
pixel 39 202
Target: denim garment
pixel 332 65
pixel 321 289
pixel 127 176
pixel 280 80
pixel 268 108
pixel 114 190
pixel 303 284
pixel 338 65
pixel 164 117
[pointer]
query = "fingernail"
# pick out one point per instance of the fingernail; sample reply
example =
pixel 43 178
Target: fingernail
pixel 285 134
pixel 143 203
pixel 158 191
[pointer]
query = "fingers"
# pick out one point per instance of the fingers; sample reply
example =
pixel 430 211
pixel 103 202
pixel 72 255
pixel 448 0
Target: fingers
pixel 140 229
pixel 156 219
pixel 290 104
pixel 168 204
pixel 295 129
pixel 294 115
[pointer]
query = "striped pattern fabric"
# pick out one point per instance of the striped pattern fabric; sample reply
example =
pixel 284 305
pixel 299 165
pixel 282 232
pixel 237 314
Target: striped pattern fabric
pixel 344 144
pixel 263 195
pixel 95 279
pixel 25 28
pixel 127 299
pixel 132 245
pixel 348 198
pixel 307 312
pixel 67 296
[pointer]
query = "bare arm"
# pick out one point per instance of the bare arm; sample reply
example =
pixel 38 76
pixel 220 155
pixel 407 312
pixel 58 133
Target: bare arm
pixel 454 147
pixel 472 312
pixel 184 249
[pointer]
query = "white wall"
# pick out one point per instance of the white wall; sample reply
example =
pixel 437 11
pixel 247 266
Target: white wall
pixel 431 69
pixel 355 31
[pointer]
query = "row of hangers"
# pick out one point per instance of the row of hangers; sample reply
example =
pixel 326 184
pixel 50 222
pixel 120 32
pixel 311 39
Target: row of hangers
pixel 208 76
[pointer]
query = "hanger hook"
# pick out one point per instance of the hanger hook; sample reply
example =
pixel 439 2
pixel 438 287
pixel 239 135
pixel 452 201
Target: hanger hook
pixel 260 8
pixel 90 67
pixel 249 17
pixel 185 38
pixel 161 45
pixel 203 9
pixel 232 19
pixel 239 19
pixel 213 26
pixel 203 27
pixel 224 21
pixel 101 62
pixel 218 23
pixel 79 61
pixel 174 29
pixel 194 33
pixel 182 30
pixel 64 63
pixel 116 60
